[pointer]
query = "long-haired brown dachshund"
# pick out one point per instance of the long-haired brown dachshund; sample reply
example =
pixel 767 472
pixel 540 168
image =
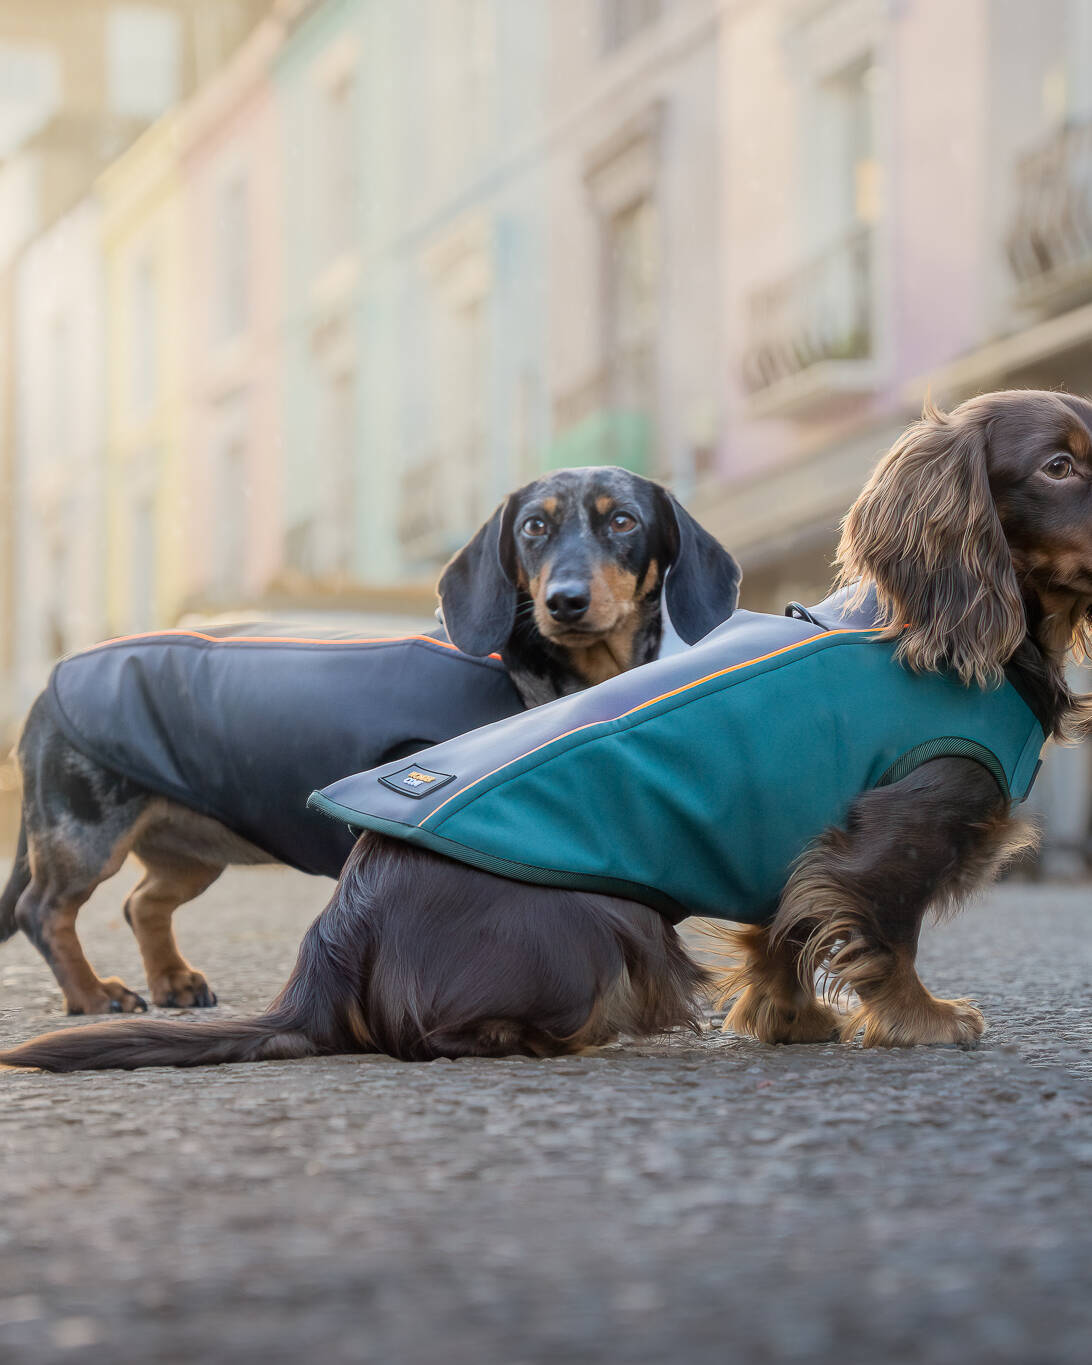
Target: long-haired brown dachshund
pixel 975 534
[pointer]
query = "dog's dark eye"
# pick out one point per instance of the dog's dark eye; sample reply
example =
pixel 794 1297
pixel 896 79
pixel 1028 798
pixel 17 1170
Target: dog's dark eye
pixel 622 521
pixel 534 526
pixel 1059 468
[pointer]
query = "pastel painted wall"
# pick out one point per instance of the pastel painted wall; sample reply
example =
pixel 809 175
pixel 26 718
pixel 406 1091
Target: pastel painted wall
pixel 413 383
pixel 956 92
pixel 60 499
pixel 635 129
pixel 149 500
pixel 229 171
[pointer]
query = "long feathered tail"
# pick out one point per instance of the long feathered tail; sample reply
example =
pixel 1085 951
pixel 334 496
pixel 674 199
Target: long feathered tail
pixel 316 1013
pixel 17 884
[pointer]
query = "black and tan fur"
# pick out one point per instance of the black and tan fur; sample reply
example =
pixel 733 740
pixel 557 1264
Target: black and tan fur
pixel 977 532
pixel 565 581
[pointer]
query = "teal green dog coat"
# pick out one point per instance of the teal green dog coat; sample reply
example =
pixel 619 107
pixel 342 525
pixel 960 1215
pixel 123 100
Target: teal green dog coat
pixel 693 783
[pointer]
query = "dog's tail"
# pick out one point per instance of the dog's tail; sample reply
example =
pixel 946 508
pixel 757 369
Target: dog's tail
pixel 318 1012
pixel 17 884
pixel 160 1042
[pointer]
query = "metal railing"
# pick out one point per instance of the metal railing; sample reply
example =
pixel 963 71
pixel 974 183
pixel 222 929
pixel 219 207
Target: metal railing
pixel 1050 237
pixel 821 312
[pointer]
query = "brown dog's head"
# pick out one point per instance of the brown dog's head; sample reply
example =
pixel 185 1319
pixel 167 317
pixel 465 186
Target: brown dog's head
pixel 583 553
pixel 977 525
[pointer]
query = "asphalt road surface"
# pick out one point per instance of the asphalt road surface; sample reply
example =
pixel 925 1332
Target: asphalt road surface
pixel 697 1199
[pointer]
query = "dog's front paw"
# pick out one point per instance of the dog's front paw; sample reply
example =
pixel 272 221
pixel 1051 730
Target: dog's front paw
pixel 111 996
pixel 931 1022
pixel 181 990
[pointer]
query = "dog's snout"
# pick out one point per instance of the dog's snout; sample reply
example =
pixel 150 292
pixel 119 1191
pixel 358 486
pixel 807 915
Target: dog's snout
pixel 568 600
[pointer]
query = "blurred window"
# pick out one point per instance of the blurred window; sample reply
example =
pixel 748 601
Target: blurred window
pixel 61 397
pixel 142 573
pixel 143 60
pixel 336 530
pixel 143 335
pixel 470 362
pixel 475 60
pixel 30 89
pixel 232 302
pixel 463 52
pixel 341 153
pixel 632 305
pixel 624 19
pixel 845 174
pixel 231 504
pixel 1078 57
pixel 58 598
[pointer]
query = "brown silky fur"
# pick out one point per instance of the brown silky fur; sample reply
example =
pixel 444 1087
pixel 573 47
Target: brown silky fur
pixel 422 957
pixel 980 566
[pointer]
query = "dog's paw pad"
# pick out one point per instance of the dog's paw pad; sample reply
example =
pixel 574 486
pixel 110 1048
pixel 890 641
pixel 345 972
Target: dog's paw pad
pixel 183 990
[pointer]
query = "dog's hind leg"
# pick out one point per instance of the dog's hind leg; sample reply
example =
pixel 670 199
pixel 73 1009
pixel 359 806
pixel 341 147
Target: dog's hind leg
pixel 46 913
pixel 80 821
pixel 183 853
pixel 772 1003
pixel 855 903
pixel 165 885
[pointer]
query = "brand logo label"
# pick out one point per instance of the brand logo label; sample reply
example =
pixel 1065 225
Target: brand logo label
pixel 416 782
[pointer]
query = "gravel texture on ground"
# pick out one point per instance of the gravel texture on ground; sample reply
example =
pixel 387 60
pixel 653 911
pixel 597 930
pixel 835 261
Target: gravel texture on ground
pixel 698 1198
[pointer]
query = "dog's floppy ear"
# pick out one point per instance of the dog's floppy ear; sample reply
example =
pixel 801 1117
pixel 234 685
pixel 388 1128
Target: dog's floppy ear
pixel 702 589
pixel 926 533
pixel 477 587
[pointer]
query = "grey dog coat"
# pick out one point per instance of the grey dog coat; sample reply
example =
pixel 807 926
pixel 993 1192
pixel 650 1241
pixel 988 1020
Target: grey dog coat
pixel 241 723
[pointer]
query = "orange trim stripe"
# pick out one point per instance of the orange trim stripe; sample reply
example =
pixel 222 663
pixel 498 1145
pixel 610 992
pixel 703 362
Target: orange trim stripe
pixel 277 640
pixel 733 668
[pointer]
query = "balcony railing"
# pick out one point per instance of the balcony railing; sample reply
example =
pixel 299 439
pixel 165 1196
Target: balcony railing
pixel 1049 241
pixel 822 312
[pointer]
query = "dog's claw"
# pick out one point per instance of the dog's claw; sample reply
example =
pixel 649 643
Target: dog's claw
pixel 115 998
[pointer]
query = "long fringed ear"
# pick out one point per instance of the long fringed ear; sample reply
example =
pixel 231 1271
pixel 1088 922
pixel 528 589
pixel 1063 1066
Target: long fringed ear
pixel 702 588
pixel 477 587
pixel 925 532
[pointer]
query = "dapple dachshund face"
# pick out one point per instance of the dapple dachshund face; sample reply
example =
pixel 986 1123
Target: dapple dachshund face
pixel 588 551
pixel 567 580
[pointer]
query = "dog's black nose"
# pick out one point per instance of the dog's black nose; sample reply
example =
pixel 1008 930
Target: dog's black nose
pixel 568 601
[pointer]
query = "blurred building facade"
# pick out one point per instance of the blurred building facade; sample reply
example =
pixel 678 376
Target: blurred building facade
pixel 78 83
pixel 374 264
pixel 147 317
pixel 59 494
pixel 233 465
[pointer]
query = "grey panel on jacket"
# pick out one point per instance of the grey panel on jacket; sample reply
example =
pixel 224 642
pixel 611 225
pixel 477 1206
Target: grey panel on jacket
pixel 242 723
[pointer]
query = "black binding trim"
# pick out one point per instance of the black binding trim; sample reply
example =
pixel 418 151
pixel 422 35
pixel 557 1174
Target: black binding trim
pixel 502 867
pixel 947 746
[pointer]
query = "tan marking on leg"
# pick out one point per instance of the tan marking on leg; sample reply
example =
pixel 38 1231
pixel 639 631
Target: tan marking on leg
pixel 165 886
pixel 47 913
pixel 84 991
pixel 772 1004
